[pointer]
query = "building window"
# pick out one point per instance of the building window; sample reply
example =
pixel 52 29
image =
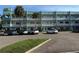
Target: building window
pixel 76 21
pixel 54 21
pixel 18 23
pixel 32 22
pixel 49 22
pixel 38 22
pixel 61 22
pixel 67 22
pixel 7 22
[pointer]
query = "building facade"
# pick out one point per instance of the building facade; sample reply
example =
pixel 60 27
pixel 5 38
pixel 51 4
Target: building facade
pixel 60 20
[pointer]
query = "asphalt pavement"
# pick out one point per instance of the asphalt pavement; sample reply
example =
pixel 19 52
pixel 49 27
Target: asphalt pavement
pixel 61 42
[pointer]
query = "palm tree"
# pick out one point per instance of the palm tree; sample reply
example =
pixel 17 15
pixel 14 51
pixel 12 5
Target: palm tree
pixel 35 15
pixel 19 11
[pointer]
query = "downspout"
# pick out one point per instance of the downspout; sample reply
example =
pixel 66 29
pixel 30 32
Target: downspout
pixel 71 28
pixel 40 22
pixel 26 20
pixel 55 19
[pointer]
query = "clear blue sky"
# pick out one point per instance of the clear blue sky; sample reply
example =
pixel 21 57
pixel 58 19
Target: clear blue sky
pixel 44 7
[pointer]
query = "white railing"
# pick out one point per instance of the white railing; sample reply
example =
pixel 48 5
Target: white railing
pixel 74 18
pixel 75 24
pixel 17 19
pixel 63 24
pixel 68 24
pixel 61 18
pixel 6 25
pixel 32 19
pixel 32 24
pixel 74 12
pixel 47 18
pixel 47 24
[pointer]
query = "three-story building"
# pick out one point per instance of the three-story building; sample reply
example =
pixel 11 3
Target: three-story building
pixel 61 20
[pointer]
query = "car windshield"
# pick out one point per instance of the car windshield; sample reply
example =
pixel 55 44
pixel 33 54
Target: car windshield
pixel 33 29
pixel 51 29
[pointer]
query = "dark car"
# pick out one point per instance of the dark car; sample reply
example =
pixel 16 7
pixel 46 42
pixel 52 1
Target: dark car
pixel 10 32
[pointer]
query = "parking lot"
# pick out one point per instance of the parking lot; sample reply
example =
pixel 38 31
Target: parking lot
pixel 6 40
pixel 61 42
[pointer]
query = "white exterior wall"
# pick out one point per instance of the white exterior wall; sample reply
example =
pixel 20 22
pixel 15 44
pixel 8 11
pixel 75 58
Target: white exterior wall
pixel 47 19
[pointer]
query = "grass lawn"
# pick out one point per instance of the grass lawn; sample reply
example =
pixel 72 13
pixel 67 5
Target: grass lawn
pixel 21 46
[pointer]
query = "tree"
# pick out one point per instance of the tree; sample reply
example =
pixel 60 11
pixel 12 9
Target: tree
pixel 7 11
pixel 19 11
pixel 13 15
pixel 35 15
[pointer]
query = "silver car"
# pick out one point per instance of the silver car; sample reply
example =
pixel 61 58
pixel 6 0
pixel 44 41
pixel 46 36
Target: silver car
pixel 52 31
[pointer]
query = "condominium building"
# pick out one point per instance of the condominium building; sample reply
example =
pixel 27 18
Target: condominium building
pixel 62 20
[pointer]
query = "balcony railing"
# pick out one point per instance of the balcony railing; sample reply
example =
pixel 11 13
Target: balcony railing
pixel 73 24
pixel 61 18
pixel 47 24
pixel 74 18
pixel 34 25
pixel 47 18
pixel 18 19
pixel 33 18
pixel 74 12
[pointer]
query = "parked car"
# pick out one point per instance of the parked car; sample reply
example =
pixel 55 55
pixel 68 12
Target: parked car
pixel 10 33
pixel 36 31
pixel 25 32
pixel 14 32
pixel 52 31
pixel 33 31
pixel 2 32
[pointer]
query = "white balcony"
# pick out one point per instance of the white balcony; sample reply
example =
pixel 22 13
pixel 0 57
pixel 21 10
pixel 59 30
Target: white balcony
pixel 17 19
pixel 32 25
pixel 59 12
pixel 63 24
pixel 47 18
pixel 33 19
pixel 77 18
pixel 48 13
pixel 14 25
pixel 61 18
pixel 22 25
pixel 74 18
pixel 5 25
pixel 74 24
pixel 74 12
pixel 47 24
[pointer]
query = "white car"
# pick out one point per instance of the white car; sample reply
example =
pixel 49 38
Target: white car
pixel 52 30
pixel 33 31
pixel 25 32
pixel 36 31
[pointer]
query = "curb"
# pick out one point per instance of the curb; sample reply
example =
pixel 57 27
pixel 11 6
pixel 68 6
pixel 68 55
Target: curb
pixel 72 52
pixel 37 46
